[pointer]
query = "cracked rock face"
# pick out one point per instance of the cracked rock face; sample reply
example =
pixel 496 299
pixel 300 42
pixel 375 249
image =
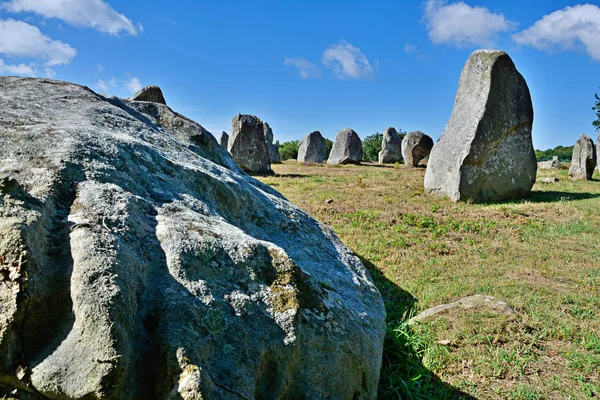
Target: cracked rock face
pixel 347 148
pixel 312 148
pixel 247 144
pixel 584 159
pixel 390 147
pixel 486 152
pixel 138 261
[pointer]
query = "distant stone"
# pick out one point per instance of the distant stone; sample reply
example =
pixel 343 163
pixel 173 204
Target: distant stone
pixel 347 148
pixel 224 139
pixel 550 164
pixel 415 147
pixel 548 180
pixel 247 144
pixel 467 303
pixel 312 148
pixel 390 147
pixel 584 159
pixel 273 149
pixel 150 93
pixel 486 152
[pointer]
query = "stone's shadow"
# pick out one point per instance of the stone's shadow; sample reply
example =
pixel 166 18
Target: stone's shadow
pixel 538 196
pixel 403 373
pixel 293 176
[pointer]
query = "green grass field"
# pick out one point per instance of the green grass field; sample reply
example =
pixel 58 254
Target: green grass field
pixel 541 255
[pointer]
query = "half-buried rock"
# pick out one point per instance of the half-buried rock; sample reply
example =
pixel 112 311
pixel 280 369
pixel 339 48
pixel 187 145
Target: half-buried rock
pixel 247 144
pixel 584 159
pixel 390 147
pixel 347 148
pixel 139 262
pixel 150 93
pixel 273 149
pixel 312 148
pixel 486 153
pixel 415 147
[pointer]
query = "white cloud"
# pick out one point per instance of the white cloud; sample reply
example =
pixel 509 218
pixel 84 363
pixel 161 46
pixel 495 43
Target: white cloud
pixel 410 48
pixel 95 14
pixel 347 61
pixel 19 39
pixel 49 73
pixel 133 85
pixel 462 25
pixel 14 69
pixel 101 85
pixel 305 67
pixel 566 29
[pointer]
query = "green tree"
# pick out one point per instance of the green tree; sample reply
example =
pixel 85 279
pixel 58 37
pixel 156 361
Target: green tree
pixel 289 150
pixel 328 146
pixel 372 147
pixel 596 108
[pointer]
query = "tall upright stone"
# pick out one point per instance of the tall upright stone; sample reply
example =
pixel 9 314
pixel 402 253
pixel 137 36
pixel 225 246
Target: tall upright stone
pixel 486 152
pixel 224 139
pixel 347 148
pixel 415 147
pixel 247 144
pixel 312 148
pixel 150 93
pixel 390 147
pixel 598 150
pixel 584 159
pixel 273 149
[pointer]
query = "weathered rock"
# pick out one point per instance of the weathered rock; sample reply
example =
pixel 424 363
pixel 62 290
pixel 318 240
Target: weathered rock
pixel 150 93
pixel 312 148
pixel 598 151
pixel 467 303
pixel 584 159
pixel 273 149
pixel 224 139
pixel 347 148
pixel 486 153
pixel 415 147
pixel 139 262
pixel 247 144
pixel 390 147
pixel 551 179
pixel 550 164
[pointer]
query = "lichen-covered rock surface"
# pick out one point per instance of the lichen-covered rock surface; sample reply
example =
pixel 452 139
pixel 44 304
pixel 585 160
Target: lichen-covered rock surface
pixel 486 151
pixel 138 261
pixel 247 144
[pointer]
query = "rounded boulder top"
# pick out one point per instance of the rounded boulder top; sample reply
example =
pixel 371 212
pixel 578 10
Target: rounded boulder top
pixel 149 93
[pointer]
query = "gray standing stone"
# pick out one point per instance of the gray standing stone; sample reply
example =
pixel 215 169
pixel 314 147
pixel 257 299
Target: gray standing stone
pixel 347 148
pixel 224 140
pixel 598 150
pixel 486 152
pixel 415 147
pixel 584 159
pixel 150 93
pixel 390 147
pixel 550 164
pixel 139 262
pixel 312 148
pixel 274 156
pixel 247 144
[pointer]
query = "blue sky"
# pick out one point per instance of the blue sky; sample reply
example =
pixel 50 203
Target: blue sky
pixel 312 65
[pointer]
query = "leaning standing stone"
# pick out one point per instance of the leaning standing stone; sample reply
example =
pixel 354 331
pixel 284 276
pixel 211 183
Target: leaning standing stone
pixel 390 147
pixel 584 159
pixel 247 144
pixel 224 139
pixel 415 147
pixel 312 148
pixel 486 152
pixel 274 156
pixel 347 148
pixel 150 93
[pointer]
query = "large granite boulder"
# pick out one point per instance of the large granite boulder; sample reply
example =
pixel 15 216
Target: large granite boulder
pixel 273 149
pixel 247 144
pixel 486 153
pixel 347 148
pixel 137 261
pixel 312 148
pixel 415 147
pixel 584 159
pixel 390 147
pixel 224 139
pixel 149 93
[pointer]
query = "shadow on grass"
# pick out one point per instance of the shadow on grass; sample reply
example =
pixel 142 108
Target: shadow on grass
pixel 538 196
pixel 403 375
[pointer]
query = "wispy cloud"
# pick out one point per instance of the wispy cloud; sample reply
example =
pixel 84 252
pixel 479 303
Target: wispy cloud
pixel 462 25
pixel 133 85
pixel 566 29
pixel 16 69
pixel 305 68
pixel 347 62
pixel 95 14
pixel 101 85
